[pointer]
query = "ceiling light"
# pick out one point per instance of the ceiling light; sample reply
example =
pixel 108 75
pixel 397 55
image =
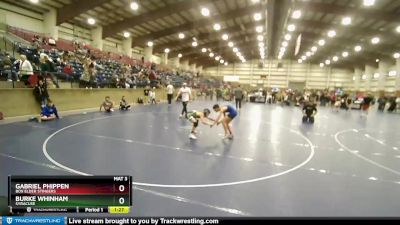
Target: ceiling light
pixel 368 2
pixel 280 57
pixel 321 65
pixel 259 29
pixel 150 43
pixel 314 48
pixel 396 55
pixel 179 55
pixel 376 60
pixel 194 43
pixel 221 61
pixel 345 54
pixel 357 48
pixel 376 75
pixel 205 12
pixel 217 26
pixel 331 33
pixel 134 5
pixel 235 50
pixel 392 73
pixel 284 44
pixel 260 37
pixel 166 50
pixel 261 49
pixel 127 34
pixel 217 58
pixel 91 21
pixel 308 54
pixel 225 37
pixel 291 27
pixel 260 44
pixel 282 49
pixel 238 54
pixel 211 54
pixel 364 77
pixel 255 1
pixel 35 1
pixel 299 60
pixel 375 40
pixel 321 42
pixel 203 50
pixel 335 58
pixel 354 78
pixel 230 44
pixel 346 21
pixel 296 14
pixel 288 37
pixel 398 29
pixel 327 62
pixel 303 57
pixel 257 16
pixel 181 35
pixel 226 63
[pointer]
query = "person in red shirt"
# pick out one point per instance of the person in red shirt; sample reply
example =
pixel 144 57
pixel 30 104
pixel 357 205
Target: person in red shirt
pixel 68 70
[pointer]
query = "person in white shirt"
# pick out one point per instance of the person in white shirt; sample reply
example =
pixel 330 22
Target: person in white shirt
pixel 25 68
pixel 170 92
pixel 153 96
pixel 186 95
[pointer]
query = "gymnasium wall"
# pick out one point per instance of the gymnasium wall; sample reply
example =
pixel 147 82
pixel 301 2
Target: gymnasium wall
pixel 22 18
pixel 273 75
pixel 21 102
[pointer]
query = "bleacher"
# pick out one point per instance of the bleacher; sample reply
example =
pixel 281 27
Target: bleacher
pixel 107 64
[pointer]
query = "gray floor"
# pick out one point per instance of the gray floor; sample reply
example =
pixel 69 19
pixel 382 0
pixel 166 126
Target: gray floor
pixel 343 165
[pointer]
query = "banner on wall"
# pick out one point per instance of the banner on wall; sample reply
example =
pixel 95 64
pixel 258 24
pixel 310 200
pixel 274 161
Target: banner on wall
pixel 231 78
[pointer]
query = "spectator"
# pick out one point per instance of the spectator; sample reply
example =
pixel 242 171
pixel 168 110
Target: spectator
pixel 170 92
pixel 153 96
pixel 49 112
pixel 40 93
pixel 68 71
pixel 123 105
pixel 146 92
pixel 48 69
pixel 7 67
pixel 26 69
pixel 108 105
pixel 238 97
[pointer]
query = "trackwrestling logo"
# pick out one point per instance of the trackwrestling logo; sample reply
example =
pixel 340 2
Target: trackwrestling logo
pixel 33 220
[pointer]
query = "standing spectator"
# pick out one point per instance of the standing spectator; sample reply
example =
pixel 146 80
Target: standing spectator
pixel 238 92
pixel 26 69
pixel 170 92
pixel 152 94
pixel 365 104
pixel 186 95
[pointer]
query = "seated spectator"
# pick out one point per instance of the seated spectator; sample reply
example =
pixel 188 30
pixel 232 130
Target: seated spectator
pixel 40 93
pixel 68 70
pixel 49 112
pixel 108 105
pixel 123 105
pixel 26 69
pixel 7 67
